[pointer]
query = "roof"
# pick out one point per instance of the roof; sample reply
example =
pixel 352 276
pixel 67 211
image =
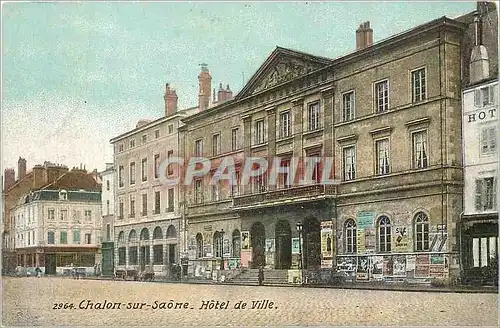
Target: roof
pixel 72 196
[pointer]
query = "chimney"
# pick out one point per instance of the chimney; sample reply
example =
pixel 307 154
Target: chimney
pixel 21 168
pixel 170 98
pixel 229 93
pixel 205 87
pixel 364 36
pixel 221 94
pixel 9 178
pixel 479 65
pixel 39 177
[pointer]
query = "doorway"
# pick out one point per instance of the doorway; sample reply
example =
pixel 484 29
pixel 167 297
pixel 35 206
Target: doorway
pixel 258 243
pixel 50 263
pixel 283 239
pixel 312 244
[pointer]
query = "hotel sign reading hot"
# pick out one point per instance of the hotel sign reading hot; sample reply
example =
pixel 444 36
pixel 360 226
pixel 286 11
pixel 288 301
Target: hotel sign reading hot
pixel 482 115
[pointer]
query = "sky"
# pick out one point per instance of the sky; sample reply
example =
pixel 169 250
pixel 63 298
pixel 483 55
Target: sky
pixel 75 75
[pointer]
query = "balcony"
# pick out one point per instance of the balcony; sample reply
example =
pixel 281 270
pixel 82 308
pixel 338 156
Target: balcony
pixel 308 191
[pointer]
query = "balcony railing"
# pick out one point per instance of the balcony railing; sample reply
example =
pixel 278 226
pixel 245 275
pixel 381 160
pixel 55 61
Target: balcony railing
pixel 287 193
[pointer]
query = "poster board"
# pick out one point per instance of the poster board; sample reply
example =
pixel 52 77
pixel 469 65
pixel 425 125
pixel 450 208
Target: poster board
pixel 400 239
pixel 327 239
pixel 362 270
pixel 245 240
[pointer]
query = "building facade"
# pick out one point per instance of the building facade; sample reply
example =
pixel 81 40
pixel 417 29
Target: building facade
pixel 107 219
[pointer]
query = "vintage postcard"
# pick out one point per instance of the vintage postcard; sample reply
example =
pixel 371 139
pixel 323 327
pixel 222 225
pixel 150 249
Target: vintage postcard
pixel 249 164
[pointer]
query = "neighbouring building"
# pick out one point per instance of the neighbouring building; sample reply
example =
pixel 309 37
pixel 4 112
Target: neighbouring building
pixel 107 219
pixel 57 226
pixel 479 222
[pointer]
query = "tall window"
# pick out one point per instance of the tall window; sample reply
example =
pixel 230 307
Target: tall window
pixel 64 215
pixel 132 173
pixel 88 215
pixel 132 143
pixel 218 244
pixel 234 139
pixel 216 192
pixel 107 207
pixel 348 106
pixel 313 116
pixel 484 96
pixel 144 138
pixel 88 238
pixel 418 90
pixel 350 236
pixel 382 96
pixel 108 232
pixel 122 255
pixel 63 237
pixel 349 157
pixel 132 206
pixel 50 238
pixel 107 185
pixel 157 166
pixel 259 132
pixel 120 209
pixel 198 191
pixel 488 140
pixel 285 179
pixel 171 202
pixel 51 214
pixel 421 232
pixel 144 204
pixel 170 128
pixel 260 182
pixel 198 148
pixel 485 199
pixel 419 149
pixel 120 176
pixel 484 250
pixel 157 202
pixel 120 148
pixel 384 234
pixel 76 236
pixel 216 144
pixel 285 124
pixel 236 243
pixel 199 245
pixel 144 169
pixel 132 255
pixel 157 134
pixel 235 186
pixel 382 149
pixel 170 168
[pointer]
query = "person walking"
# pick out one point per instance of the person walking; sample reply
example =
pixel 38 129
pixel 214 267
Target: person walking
pixel 261 276
pixel 38 272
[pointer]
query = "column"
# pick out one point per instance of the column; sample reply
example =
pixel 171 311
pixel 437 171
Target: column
pixel 297 113
pixel 271 139
pixel 247 138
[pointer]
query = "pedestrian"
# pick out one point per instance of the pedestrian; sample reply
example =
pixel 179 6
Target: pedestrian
pixel 261 275
pixel 38 272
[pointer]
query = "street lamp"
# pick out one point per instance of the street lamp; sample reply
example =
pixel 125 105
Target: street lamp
pixel 222 249
pixel 299 229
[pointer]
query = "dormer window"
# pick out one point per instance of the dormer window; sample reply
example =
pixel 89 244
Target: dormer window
pixel 63 195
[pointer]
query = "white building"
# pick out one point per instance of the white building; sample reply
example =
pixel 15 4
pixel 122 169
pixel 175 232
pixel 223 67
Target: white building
pixel 108 202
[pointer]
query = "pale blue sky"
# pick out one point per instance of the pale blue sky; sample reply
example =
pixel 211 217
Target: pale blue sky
pixel 74 75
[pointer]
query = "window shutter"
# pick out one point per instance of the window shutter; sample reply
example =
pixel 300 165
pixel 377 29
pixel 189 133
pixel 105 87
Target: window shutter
pixel 477 98
pixel 478 194
pixel 493 139
pixel 492 94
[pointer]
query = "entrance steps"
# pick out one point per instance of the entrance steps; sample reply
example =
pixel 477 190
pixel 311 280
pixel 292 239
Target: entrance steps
pixel 251 277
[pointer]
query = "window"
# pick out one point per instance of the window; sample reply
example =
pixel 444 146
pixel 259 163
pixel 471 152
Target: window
pixel 107 207
pixel 198 148
pixel 198 191
pixel 157 202
pixel 132 143
pixel 484 250
pixel 29 238
pixel 382 151
pixel 484 96
pixel 88 215
pixel 216 144
pixel 234 139
pixel 158 254
pixel 199 245
pixel 236 244
pixel 64 215
pixel 384 234
pixel 132 173
pixel 421 232
pixel 348 106
pixel 144 138
pixel 51 214
pixel 76 236
pixel 218 244
pixel 170 169
pixel 350 236
pixel 50 238
pixel 63 195
pixel 122 255
pixel 349 156
pixel 488 140
pixel 88 238
pixel 144 204
pixel 316 174
pixel 132 255
pixel 63 237
pixel 107 185
pixel 108 232
pixel 259 132
pixel 120 209
pixel 260 182
pixel 171 202
pixel 120 148
pixel 157 134
pixel 284 181
pixel 485 199
pixel 313 116
pixel 170 128
pixel 157 166
pixel 285 124
pixel 382 96
pixel 216 192
pixel 144 169
pixel 419 149
pixel 132 207
pixel 120 176
pixel 418 85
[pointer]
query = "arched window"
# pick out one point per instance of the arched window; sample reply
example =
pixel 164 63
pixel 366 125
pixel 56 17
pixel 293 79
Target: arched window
pixel 217 244
pixel 50 238
pixel 121 237
pixel 144 234
pixel 199 245
pixel 350 236
pixel 132 237
pixel 171 233
pixel 384 234
pixel 236 243
pixel 421 232
pixel 157 233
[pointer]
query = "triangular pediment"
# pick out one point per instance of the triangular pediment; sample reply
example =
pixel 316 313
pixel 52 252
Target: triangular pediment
pixel 282 66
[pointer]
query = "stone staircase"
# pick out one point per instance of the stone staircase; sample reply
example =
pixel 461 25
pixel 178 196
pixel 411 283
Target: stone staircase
pixel 251 277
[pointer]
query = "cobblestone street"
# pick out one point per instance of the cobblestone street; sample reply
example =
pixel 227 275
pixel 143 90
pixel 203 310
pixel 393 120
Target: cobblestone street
pixel 30 301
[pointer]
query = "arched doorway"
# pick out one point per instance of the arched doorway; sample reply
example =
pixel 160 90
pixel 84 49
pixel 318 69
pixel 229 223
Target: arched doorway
pixel 283 239
pixel 144 256
pixel 312 243
pixel 258 242
pixel 172 244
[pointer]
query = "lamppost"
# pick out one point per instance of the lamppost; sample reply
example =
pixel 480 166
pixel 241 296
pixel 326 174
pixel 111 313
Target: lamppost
pixel 299 229
pixel 222 249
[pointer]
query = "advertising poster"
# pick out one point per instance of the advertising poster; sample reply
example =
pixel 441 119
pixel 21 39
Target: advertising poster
pixel 295 245
pixel 399 266
pixel 365 219
pixel 362 269
pixel 422 265
pixel 437 241
pixel 436 267
pixel 270 245
pixel 400 239
pixel 370 238
pixel 245 240
pixel 327 239
pixel 326 264
pixel 207 250
pixel 388 266
pixel 410 266
pixel 376 267
pixel 346 263
pixel 360 240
